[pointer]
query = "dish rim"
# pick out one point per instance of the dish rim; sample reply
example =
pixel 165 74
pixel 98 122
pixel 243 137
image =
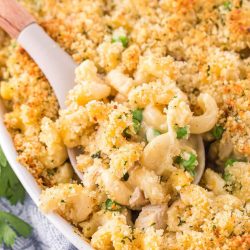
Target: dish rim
pixel 32 188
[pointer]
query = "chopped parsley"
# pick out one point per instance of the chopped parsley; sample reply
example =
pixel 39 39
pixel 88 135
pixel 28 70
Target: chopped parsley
pixel 188 164
pixel 232 185
pixel 113 206
pixel 230 162
pixel 217 132
pixel 136 125
pixel 227 176
pixel 137 114
pixel 96 155
pixel 137 119
pixel 121 39
pixel 181 132
pixel 227 5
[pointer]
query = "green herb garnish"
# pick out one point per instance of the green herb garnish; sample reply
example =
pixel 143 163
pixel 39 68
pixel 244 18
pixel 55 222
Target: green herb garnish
pixel 230 162
pixel 181 132
pixel 10 227
pixel 136 125
pixel 227 5
pixel 121 39
pixel 137 119
pixel 217 132
pixel 227 176
pixel 137 114
pixel 189 164
pixel 113 206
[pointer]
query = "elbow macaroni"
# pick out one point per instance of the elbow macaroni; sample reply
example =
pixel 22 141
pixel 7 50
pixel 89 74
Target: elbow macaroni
pixel 55 152
pixel 116 189
pixel 159 153
pixel 154 118
pixel 206 121
pixel 120 82
pixel 64 199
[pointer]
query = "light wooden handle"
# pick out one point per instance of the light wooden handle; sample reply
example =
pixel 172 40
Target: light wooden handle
pixel 13 17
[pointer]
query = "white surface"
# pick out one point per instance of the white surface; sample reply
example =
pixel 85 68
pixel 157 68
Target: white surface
pixel 33 189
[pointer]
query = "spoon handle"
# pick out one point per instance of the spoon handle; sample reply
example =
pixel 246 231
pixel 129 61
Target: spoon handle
pixel 13 17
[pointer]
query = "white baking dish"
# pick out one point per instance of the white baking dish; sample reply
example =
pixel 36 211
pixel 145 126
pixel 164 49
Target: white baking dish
pixel 33 189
